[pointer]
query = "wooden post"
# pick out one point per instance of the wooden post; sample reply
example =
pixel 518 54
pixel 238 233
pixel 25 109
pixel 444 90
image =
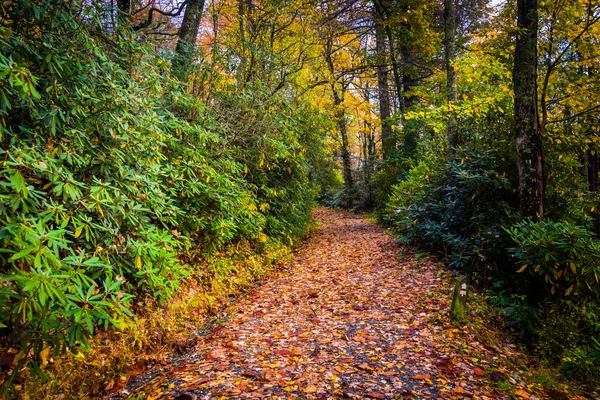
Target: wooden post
pixel 459 300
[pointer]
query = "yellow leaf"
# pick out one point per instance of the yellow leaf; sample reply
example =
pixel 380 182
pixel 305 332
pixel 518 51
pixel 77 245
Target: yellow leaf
pixel 78 233
pixel 138 262
pixel 522 269
pixel 569 290
pixel 207 179
pixel 45 356
pixel 537 268
pixel 573 267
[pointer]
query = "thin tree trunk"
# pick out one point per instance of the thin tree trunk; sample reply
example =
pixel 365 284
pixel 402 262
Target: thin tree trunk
pixel 381 10
pixel 340 120
pixel 387 144
pixel 450 57
pixel 186 43
pixel 527 128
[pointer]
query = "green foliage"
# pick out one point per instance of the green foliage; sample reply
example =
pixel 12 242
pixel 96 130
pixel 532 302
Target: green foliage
pixel 412 190
pixel 459 214
pixel 568 325
pixel 567 195
pixel 116 178
pixel 564 256
pixel 583 365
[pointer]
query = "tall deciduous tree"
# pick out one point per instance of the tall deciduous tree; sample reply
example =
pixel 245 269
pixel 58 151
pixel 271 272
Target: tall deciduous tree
pixel 186 43
pixel 527 127
pixel 450 56
pixel 338 90
pixel 383 88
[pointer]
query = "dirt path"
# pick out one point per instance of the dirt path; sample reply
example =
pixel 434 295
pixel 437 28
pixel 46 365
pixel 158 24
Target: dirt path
pixel 357 317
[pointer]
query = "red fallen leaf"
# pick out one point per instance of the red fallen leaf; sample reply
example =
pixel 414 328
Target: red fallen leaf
pixel 298 332
pixel 267 341
pixel 283 352
pixel 6 360
pixel 322 397
pixel 420 377
pixel 443 306
pixel 180 368
pixel 375 395
pixel 478 371
pixel 444 364
pixel 361 308
pixel 409 331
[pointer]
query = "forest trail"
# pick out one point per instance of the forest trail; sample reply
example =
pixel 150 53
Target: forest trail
pixel 356 317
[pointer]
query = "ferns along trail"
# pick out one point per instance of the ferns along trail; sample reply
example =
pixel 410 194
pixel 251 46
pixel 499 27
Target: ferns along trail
pixel 299 199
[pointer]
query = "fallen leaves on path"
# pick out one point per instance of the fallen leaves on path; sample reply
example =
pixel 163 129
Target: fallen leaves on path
pixel 356 317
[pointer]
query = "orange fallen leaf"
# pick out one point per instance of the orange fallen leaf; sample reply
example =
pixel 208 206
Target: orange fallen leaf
pixel 310 389
pixel 375 395
pixel 420 377
pixel 522 393
pixel 478 372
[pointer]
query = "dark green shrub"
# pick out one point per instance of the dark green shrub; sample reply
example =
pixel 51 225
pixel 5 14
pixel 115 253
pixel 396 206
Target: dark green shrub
pixel 564 256
pixel 458 212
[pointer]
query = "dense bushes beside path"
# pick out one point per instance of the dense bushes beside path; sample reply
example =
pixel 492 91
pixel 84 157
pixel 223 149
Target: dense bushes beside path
pixel 544 275
pixel 114 179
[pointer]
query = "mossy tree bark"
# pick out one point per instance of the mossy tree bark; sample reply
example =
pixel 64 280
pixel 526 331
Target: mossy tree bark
pixel 527 127
pixel 388 145
pixel 186 43
pixel 450 57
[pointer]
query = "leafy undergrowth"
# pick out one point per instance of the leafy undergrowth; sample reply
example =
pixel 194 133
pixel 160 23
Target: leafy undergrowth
pixel 116 358
pixel 356 317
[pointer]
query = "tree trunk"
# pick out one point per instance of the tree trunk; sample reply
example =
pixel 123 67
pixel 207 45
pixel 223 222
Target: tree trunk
pixel 124 11
pixel 527 128
pixel 387 144
pixel 592 171
pixel 186 44
pixel 345 151
pixel 340 120
pixel 450 57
